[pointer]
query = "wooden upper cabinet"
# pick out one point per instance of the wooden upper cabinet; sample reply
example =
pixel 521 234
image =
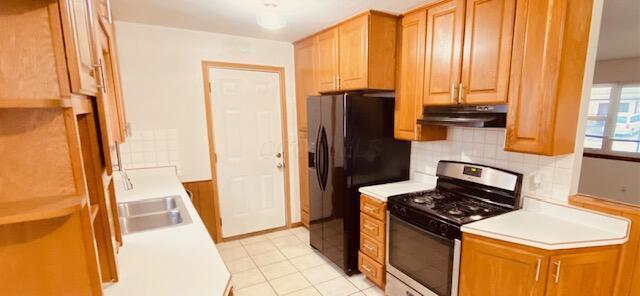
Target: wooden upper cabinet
pixel 306 85
pixel 357 54
pixel 487 51
pixel 408 104
pixel 107 101
pixel 493 268
pixel 104 11
pixel 353 53
pixel 547 69
pixel 326 62
pixel 445 25
pixel 589 273
pixel 78 24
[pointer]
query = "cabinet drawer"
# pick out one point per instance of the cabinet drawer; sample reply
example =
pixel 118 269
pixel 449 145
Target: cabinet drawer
pixel 373 270
pixel 373 207
pixel 372 248
pixel 372 227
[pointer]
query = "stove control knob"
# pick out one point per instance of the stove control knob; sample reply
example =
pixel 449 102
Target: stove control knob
pixel 443 229
pixel 433 225
pixel 403 211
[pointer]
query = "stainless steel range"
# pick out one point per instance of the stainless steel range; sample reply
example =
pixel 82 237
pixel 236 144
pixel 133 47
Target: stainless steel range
pixel 423 228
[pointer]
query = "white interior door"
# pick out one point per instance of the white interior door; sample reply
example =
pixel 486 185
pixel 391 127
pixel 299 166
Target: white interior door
pixel 248 142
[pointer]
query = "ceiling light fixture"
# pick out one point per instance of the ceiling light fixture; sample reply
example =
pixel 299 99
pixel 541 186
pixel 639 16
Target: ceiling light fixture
pixel 270 18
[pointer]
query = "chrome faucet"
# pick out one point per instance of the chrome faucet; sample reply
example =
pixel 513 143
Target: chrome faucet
pixel 126 181
pixel 128 185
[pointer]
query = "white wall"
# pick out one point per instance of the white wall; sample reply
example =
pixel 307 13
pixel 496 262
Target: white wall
pixel 486 146
pixel 619 180
pixel 164 96
pixel 614 179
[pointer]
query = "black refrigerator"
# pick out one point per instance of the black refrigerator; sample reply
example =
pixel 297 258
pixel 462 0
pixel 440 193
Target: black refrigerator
pixel 351 145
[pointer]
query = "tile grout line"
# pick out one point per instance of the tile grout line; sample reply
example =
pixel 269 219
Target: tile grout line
pixel 298 270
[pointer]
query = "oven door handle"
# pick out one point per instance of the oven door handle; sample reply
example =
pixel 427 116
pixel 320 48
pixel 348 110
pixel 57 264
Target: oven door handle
pixel 405 222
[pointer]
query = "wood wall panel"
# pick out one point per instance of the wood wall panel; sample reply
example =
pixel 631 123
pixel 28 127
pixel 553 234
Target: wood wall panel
pixel 204 202
pixel 30 138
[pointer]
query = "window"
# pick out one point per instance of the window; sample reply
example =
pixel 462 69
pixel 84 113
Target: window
pixel 613 123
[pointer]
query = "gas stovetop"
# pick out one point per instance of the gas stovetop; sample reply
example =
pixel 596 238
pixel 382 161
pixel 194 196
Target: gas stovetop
pixel 449 205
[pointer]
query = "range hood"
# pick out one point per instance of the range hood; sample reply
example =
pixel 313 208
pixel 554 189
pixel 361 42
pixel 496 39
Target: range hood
pixel 465 115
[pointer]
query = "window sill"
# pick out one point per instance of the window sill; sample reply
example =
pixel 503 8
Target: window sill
pixel 611 157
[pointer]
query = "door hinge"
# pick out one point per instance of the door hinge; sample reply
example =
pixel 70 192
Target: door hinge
pixel 220 219
pixel 210 88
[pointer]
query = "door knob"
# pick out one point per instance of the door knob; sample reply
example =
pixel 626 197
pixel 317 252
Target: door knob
pixel 278 155
pixel 280 165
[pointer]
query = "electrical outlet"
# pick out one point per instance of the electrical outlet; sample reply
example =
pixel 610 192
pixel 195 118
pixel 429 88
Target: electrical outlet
pixel 536 181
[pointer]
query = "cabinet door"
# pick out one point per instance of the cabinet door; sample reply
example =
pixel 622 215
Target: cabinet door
pixel 409 93
pixel 547 68
pixel 303 174
pixel 353 72
pixel 107 101
pixel 488 35
pixel 494 268
pixel 304 52
pixel 326 62
pixel 583 273
pixel 408 103
pixel 445 25
pixel 77 24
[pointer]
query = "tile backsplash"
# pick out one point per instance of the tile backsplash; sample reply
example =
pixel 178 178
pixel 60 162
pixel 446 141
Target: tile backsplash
pixel 544 176
pixel 151 148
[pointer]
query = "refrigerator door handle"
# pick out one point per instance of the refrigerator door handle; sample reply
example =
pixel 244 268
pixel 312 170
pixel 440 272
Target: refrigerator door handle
pixel 325 158
pixel 317 157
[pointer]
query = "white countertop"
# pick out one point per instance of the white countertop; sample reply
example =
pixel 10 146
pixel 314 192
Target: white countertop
pixel 547 225
pixel 180 260
pixel 383 191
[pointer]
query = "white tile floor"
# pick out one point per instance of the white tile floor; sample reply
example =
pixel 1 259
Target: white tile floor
pixel 283 263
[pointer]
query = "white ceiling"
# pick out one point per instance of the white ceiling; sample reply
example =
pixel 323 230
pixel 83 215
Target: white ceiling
pixel 238 17
pixel 620 30
pixel 619 35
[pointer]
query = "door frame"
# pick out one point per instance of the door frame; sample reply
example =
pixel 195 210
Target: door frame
pixel 206 66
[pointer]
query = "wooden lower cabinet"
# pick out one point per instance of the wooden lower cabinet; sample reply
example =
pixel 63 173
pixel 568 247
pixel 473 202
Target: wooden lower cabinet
pixel 303 178
pixel 371 258
pixel 495 268
pixel 492 268
pixel 628 266
pixel 588 271
pixel 372 269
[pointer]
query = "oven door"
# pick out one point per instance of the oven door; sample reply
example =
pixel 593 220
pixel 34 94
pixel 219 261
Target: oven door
pixel 426 262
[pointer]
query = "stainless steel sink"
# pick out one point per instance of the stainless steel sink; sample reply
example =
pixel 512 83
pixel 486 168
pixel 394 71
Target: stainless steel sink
pixel 152 213
pixel 147 206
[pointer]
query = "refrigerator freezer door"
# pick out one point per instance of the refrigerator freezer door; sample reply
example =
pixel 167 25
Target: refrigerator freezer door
pixel 314 121
pixel 333 198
